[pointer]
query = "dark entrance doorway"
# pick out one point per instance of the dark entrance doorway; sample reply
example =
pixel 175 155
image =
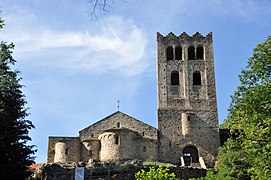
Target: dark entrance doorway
pixel 190 155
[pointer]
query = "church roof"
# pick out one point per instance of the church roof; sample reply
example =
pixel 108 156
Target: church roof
pixel 114 114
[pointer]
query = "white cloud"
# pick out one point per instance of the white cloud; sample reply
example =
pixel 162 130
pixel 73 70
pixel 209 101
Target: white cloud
pixel 117 45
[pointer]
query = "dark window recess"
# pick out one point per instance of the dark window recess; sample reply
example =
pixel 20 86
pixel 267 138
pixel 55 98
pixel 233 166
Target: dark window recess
pixel 116 139
pixel 143 133
pixel 200 52
pixel 178 53
pixel 90 153
pixel 118 124
pixel 188 118
pixel 169 144
pixel 196 78
pixel 191 53
pixel 67 151
pixel 169 53
pixel 144 149
pixel 175 78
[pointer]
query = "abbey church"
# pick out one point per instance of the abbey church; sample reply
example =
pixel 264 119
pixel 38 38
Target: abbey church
pixel 188 131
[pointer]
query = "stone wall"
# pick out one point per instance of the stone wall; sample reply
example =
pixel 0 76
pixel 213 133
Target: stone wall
pixel 123 144
pixel 64 149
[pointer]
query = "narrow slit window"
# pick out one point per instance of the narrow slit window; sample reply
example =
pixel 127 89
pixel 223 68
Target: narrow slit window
pixel 175 78
pixel 144 149
pixel 117 139
pixel 169 53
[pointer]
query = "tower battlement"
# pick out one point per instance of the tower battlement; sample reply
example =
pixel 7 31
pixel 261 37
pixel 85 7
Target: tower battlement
pixel 185 37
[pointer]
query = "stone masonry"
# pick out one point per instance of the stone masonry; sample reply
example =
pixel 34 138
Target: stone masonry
pixel 187 108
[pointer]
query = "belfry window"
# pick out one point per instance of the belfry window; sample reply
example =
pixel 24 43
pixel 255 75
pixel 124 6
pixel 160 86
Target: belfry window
pixel 169 53
pixel 191 53
pixel 199 52
pixel 196 78
pixel 175 78
pixel 118 124
pixel 178 53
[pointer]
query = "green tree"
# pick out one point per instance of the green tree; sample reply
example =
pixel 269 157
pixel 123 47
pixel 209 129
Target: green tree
pixel 15 154
pixel 248 155
pixel 155 174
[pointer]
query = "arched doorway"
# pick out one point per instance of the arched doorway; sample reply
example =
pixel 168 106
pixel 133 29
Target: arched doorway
pixel 190 155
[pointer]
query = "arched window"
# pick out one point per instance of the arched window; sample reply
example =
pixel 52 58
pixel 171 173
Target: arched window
pixel 199 52
pixel 196 78
pixel 169 53
pixel 118 124
pixel 191 53
pixel 175 78
pixel 190 153
pixel 178 53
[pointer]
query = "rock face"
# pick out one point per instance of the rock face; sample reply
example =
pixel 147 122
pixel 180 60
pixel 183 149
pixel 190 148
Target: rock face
pixel 187 107
pixel 187 133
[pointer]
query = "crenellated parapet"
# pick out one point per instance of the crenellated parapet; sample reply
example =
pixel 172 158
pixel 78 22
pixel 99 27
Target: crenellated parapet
pixel 185 37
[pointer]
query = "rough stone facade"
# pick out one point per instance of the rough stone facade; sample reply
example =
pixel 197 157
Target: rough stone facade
pixel 117 137
pixel 187 107
pixel 188 132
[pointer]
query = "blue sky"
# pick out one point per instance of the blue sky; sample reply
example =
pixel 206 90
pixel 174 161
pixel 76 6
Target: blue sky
pixel 75 69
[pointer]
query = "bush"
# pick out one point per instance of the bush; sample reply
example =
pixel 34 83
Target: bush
pixel 161 173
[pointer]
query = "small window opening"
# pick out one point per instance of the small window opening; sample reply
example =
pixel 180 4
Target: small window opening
pixel 188 118
pixel 191 53
pixel 175 78
pixel 143 133
pixel 200 52
pixel 92 135
pixel 67 151
pixel 170 144
pixel 169 53
pixel 196 78
pixel 144 149
pixel 118 124
pixel 116 139
pixel 178 53
pixel 90 153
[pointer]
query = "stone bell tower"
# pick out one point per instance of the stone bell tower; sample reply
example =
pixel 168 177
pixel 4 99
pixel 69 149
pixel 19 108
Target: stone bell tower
pixel 187 107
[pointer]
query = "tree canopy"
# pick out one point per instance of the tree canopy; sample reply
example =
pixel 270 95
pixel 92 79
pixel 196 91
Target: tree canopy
pixel 248 154
pixel 15 154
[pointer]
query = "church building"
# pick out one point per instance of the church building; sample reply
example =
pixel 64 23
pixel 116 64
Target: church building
pixel 188 131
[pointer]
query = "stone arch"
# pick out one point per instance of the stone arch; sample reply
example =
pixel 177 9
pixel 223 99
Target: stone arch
pixel 200 52
pixel 118 124
pixel 191 53
pixel 169 53
pixel 175 78
pixel 196 78
pixel 190 154
pixel 178 53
